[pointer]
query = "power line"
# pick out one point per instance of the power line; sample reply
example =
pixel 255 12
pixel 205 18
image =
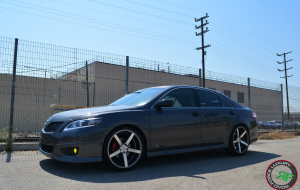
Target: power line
pixel 122 16
pixel 230 32
pixel 179 29
pixel 142 31
pixel 157 8
pixel 110 30
pixel 238 43
pixel 163 37
pixel 259 52
pixel 139 12
pixel 114 24
pixel 109 24
pixel 153 8
pixel 223 21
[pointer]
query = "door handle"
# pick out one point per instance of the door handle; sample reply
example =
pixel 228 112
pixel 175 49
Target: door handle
pixel 195 114
pixel 231 112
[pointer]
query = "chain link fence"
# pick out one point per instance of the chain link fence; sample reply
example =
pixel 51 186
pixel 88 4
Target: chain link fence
pixel 51 79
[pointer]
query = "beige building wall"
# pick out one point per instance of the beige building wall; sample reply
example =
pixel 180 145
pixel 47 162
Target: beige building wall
pixel 107 84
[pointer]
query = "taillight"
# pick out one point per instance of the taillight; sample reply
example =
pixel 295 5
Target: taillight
pixel 253 114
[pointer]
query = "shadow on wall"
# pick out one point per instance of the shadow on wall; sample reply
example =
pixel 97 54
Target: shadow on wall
pixel 189 165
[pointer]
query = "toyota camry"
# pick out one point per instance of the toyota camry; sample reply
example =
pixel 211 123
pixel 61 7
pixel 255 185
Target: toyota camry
pixel 150 122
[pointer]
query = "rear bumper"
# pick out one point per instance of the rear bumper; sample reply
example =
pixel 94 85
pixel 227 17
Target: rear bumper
pixel 253 140
pixel 253 134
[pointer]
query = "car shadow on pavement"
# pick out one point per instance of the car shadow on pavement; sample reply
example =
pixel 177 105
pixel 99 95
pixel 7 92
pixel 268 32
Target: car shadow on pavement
pixel 189 165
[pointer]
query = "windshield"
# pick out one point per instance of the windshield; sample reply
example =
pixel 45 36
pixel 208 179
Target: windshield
pixel 138 98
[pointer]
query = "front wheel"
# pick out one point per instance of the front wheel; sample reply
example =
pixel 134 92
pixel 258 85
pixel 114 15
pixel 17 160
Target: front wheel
pixel 238 141
pixel 123 149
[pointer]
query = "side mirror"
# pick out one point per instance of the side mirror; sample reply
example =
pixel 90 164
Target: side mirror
pixel 164 103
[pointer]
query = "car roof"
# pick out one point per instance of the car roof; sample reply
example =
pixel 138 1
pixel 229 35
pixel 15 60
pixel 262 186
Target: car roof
pixel 183 86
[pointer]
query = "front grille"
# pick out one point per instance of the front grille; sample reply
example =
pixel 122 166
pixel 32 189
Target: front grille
pixel 47 148
pixel 52 126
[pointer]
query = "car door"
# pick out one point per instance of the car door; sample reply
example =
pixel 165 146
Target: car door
pixel 217 117
pixel 176 126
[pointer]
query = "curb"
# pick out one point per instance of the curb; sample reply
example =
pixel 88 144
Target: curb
pixel 21 146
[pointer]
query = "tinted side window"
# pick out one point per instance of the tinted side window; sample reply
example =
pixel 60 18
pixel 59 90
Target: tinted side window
pixel 225 103
pixel 183 97
pixel 208 99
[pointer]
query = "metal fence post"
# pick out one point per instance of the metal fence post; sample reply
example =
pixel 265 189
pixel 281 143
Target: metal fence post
pixel 249 94
pixel 127 72
pixel 87 85
pixel 12 104
pixel 282 116
pixel 59 89
pixel 200 78
pixel 44 87
pixel 94 94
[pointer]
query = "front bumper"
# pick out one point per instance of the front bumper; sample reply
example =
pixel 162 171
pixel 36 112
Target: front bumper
pixel 86 152
pixel 60 144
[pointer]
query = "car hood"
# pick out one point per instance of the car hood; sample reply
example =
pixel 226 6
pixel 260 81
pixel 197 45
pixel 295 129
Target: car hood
pixel 87 113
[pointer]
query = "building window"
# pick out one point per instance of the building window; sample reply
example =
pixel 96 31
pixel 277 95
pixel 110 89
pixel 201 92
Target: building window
pixel 227 93
pixel 241 97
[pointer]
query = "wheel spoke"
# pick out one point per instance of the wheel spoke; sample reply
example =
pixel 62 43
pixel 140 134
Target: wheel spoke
pixel 243 134
pixel 235 141
pixel 124 148
pixel 134 150
pixel 129 139
pixel 244 143
pixel 239 146
pixel 114 153
pixel 237 133
pixel 125 160
pixel 117 139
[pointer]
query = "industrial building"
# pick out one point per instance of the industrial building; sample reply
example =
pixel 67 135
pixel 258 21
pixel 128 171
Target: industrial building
pixel 35 96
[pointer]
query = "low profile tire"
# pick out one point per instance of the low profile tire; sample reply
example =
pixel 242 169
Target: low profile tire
pixel 238 141
pixel 123 149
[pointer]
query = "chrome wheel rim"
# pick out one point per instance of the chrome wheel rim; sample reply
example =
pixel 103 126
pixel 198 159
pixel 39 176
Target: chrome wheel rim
pixel 240 140
pixel 124 148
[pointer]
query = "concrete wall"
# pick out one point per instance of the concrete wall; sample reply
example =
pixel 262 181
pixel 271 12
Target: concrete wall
pixel 107 82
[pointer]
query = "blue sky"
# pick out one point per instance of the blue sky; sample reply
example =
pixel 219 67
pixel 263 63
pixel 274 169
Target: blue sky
pixel 244 35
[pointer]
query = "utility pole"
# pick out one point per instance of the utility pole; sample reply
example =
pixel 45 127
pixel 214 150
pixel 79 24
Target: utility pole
pixel 203 47
pixel 285 76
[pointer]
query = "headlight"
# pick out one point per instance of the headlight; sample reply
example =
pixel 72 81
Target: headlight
pixel 83 123
pixel 47 122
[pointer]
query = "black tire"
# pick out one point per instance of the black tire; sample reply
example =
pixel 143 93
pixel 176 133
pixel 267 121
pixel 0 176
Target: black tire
pixel 238 141
pixel 123 149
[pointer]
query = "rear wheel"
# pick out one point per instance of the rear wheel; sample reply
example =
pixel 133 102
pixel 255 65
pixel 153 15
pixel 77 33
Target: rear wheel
pixel 238 141
pixel 123 148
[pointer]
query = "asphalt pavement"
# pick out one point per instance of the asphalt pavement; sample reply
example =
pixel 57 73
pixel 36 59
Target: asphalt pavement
pixel 200 170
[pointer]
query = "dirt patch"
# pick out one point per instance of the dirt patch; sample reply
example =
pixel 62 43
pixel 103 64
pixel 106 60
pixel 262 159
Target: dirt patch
pixel 277 135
